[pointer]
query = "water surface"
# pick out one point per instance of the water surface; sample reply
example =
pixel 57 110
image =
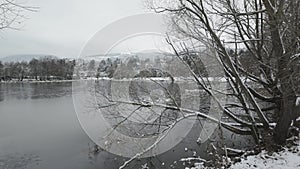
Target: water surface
pixel 39 129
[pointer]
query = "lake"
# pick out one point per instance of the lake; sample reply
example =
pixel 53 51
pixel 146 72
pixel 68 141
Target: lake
pixel 39 129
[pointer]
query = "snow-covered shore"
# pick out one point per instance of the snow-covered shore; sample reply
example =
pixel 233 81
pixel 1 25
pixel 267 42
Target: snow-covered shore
pixel 35 81
pixel 288 158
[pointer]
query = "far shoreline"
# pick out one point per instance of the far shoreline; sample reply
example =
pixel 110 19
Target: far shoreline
pixel 32 81
pixel 36 81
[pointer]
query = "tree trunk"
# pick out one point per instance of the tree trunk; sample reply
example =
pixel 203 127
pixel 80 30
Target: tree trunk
pixel 288 96
pixel 285 120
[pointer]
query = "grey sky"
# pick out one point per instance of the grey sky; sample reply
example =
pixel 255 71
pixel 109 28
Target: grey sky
pixel 62 27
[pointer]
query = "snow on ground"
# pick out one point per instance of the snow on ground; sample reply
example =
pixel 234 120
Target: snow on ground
pixel 289 158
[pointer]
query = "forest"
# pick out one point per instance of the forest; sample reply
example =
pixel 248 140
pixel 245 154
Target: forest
pixel 37 69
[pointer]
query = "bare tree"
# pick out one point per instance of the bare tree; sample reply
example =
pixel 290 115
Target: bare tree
pixel 262 104
pixel 269 31
pixel 12 13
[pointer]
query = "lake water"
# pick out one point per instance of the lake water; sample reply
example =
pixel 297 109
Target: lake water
pixel 39 129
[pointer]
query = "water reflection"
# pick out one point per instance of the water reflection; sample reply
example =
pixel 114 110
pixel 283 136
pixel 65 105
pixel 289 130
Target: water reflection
pixel 23 91
pixel 1 93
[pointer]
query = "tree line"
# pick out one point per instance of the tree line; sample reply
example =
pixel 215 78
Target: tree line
pixel 133 65
pixel 37 69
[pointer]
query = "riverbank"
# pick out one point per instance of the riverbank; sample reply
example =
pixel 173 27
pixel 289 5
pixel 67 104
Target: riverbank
pixel 287 158
pixel 36 81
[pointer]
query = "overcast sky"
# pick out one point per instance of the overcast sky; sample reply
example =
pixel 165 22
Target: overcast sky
pixel 62 27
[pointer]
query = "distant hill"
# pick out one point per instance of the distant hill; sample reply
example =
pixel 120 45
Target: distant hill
pixel 143 55
pixel 25 58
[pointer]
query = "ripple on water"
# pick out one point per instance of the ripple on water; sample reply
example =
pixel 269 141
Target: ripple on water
pixel 19 161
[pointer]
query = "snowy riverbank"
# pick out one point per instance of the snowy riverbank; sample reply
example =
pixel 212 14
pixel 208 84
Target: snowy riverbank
pixel 35 81
pixel 288 158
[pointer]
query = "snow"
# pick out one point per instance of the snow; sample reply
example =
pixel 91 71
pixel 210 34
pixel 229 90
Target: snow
pixel 286 159
pixel 297 101
pixel 189 159
pixel 289 158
